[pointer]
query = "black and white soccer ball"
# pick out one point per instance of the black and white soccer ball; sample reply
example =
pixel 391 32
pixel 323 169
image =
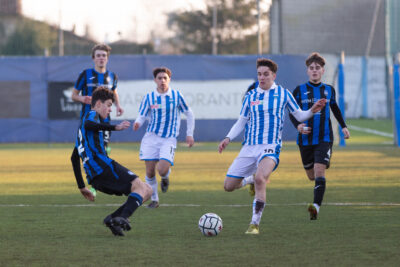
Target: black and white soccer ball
pixel 210 224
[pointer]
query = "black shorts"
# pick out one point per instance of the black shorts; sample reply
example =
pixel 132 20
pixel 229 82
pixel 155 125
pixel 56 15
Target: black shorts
pixel 108 183
pixel 320 153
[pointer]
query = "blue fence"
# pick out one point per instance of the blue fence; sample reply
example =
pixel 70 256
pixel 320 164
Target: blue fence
pixel 24 115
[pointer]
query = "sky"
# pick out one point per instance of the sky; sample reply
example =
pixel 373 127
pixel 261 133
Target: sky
pixel 109 21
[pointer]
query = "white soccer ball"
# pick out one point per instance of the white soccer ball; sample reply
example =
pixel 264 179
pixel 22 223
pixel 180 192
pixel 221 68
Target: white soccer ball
pixel 210 224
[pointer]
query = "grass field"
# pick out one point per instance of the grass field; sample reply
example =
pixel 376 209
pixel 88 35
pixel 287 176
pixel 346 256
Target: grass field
pixel 45 221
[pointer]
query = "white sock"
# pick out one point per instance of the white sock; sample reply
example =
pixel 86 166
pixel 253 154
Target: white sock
pixel 167 175
pixel 316 207
pixel 248 180
pixel 256 218
pixel 153 183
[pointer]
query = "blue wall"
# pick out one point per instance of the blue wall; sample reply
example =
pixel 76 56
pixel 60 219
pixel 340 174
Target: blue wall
pixel 39 71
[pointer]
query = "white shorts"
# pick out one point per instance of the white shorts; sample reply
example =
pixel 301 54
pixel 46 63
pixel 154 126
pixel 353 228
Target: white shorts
pixel 246 163
pixel 154 148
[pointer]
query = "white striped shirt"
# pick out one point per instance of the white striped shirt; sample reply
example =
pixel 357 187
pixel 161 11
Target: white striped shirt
pixel 265 110
pixel 164 111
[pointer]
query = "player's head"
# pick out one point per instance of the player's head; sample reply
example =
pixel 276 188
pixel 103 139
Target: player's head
pixel 315 67
pixel 102 100
pixel 266 72
pixel 100 54
pixel 162 77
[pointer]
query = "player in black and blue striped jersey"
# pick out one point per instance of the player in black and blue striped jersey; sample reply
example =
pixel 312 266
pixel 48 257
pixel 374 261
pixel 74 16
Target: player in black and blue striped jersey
pixel 315 137
pixel 103 173
pixel 88 80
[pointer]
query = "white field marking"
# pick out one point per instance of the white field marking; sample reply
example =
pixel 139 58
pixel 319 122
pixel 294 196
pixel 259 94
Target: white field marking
pixel 370 204
pixel 372 131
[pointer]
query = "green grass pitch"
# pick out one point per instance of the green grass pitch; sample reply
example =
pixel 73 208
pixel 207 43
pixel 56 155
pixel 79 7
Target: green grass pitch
pixel 45 221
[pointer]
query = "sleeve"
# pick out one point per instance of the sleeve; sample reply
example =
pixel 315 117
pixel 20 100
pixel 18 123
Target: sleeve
pixel 295 110
pixel 239 125
pixel 115 82
pixel 237 128
pixel 144 109
pixel 81 81
pixel 182 103
pixel 96 126
pixel 190 122
pixel 296 92
pixel 336 110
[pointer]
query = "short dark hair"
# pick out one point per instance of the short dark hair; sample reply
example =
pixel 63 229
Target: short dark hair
pixel 161 69
pixel 267 63
pixel 315 58
pixel 102 93
pixel 102 47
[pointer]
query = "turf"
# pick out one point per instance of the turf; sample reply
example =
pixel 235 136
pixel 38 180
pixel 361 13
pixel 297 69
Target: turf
pixel 45 221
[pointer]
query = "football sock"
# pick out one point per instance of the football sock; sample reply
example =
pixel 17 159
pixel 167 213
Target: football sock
pixel 153 183
pixel 76 166
pixel 133 202
pixel 167 175
pixel 319 190
pixel 258 207
pixel 248 180
pixel 118 212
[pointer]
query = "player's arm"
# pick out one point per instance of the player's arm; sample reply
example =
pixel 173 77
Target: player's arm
pixel 144 109
pixel 190 127
pixel 300 114
pixel 80 98
pixel 338 115
pixel 101 126
pixel 120 111
pixel 236 129
pixel 298 125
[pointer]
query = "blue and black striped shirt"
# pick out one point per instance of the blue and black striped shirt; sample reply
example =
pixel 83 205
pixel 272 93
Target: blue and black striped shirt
pixel 321 127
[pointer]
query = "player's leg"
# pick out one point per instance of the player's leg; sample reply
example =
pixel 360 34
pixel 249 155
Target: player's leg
pixel 232 183
pixel 76 164
pixel 164 169
pixel 307 158
pixel 151 180
pixel 150 154
pixel 322 157
pixel 167 155
pixel 264 170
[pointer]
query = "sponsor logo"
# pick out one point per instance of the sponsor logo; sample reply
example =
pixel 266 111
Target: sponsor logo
pixel 255 103
pixel 91 78
pixel 155 106
pixel 306 93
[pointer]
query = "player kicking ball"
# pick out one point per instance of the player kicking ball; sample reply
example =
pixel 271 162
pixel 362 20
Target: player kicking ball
pixel 263 112
pixel 104 174
pixel 163 107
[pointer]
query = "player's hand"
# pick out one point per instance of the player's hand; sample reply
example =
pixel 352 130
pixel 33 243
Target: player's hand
pixel 303 129
pixel 87 194
pixel 320 104
pixel 136 126
pixel 120 111
pixel 224 143
pixel 346 133
pixel 122 126
pixel 190 141
pixel 87 99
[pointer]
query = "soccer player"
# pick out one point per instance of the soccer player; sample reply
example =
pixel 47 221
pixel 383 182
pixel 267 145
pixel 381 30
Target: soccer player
pixel 163 107
pixel 263 112
pixel 315 135
pixel 103 173
pixel 88 80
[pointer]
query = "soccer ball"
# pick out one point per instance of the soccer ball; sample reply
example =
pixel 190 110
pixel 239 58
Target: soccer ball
pixel 210 224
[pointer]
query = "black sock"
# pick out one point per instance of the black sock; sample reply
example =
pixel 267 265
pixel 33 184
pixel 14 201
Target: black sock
pixel 133 202
pixel 76 166
pixel 319 190
pixel 118 212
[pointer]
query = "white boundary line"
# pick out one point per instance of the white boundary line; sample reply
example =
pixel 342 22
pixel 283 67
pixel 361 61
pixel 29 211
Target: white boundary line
pixel 371 131
pixel 369 204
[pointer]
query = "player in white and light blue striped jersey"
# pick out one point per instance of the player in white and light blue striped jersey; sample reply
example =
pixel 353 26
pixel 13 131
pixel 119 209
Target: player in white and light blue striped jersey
pixel 262 114
pixel 163 108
